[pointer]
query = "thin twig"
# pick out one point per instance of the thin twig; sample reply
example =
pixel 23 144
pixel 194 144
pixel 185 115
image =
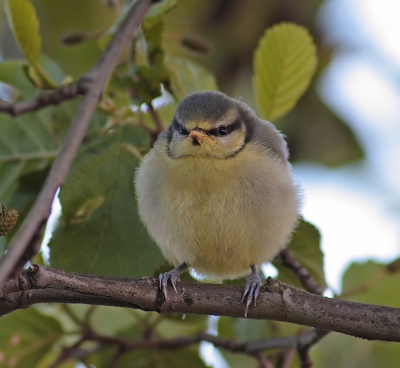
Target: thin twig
pixel 302 273
pixel 116 357
pixel 157 122
pixel 156 118
pixel 66 352
pixel 125 345
pixel 250 347
pixel 264 362
pixel 27 237
pixel 287 357
pixel 304 347
pixel 312 286
pixel 64 93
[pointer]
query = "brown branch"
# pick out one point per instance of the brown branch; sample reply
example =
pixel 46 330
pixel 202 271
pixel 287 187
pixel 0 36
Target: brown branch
pixel 301 272
pixel 67 352
pixel 287 358
pixel 26 239
pixel 311 286
pixel 157 120
pixel 264 362
pixel 252 348
pixel 64 93
pixel 277 301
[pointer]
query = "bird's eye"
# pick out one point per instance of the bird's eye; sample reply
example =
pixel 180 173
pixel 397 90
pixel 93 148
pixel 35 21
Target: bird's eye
pixel 222 130
pixel 182 130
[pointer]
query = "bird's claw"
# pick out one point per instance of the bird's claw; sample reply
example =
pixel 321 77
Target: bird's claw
pixel 251 291
pixel 173 276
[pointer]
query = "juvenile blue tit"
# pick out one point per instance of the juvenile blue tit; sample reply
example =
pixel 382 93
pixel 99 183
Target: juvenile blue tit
pixel 216 192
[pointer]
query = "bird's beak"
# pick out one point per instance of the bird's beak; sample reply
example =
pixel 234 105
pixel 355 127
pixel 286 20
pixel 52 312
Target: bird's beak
pixel 201 137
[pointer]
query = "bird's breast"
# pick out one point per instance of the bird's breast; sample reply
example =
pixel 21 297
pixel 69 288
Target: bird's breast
pixel 219 216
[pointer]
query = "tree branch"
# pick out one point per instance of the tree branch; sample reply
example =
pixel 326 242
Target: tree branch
pixel 311 285
pixel 27 239
pixel 289 260
pixel 252 348
pixel 64 93
pixel 277 301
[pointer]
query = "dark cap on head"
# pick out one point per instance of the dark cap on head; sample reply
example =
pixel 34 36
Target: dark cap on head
pixel 208 105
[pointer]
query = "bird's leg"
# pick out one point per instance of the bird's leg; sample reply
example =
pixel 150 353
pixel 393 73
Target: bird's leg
pixel 252 288
pixel 173 276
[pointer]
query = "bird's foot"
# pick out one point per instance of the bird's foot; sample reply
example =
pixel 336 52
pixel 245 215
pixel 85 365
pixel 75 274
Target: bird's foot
pixel 173 276
pixel 252 289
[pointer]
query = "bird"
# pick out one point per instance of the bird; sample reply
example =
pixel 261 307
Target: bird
pixel 217 193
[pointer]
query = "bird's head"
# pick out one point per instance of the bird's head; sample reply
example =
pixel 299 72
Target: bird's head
pixel 208 124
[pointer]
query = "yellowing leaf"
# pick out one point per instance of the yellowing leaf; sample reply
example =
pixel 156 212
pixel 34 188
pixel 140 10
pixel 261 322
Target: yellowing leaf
pixel 25 25
pixel 23 20
pixel 284 63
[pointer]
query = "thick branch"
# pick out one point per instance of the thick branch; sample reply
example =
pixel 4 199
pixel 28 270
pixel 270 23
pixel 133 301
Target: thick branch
pixel 26 242
pixel 277 301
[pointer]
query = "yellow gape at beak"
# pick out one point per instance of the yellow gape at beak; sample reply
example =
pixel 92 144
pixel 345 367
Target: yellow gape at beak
pixel 202 137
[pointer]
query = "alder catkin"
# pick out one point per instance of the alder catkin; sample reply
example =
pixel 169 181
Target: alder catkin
pixel 7 220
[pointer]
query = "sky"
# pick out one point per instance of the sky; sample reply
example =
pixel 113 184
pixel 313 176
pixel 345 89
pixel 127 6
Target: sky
pixel 357 207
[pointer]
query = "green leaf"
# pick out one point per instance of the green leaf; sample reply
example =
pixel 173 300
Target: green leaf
pixel 175 325
pixel 284 63
pixel 145 85
pixel 370 282
pixel 145 358
pixel 165 112
pixel 155 52
pixel 12 72
pixel 52 69
pixel 338 350
pixel 28 146
pixel 246 330
pixel 110 320
pixel 188 77
pixel 25 25
pixel 26 191
pixel 305 245
pixel 239 360
pixel 315 133
pixel 251 329
pixel 27 336
pixel 100 231
pixel 157 12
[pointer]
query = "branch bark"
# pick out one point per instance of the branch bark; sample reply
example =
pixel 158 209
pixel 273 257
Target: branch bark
pixel 26 242
pixel 301 272
pixel 277 301
pixel 64 93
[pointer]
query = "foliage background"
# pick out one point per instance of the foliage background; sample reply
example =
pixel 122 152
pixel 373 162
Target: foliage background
pixel 224 36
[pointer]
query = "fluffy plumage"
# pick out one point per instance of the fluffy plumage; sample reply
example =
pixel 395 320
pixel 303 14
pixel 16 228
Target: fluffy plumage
pixel 216 192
